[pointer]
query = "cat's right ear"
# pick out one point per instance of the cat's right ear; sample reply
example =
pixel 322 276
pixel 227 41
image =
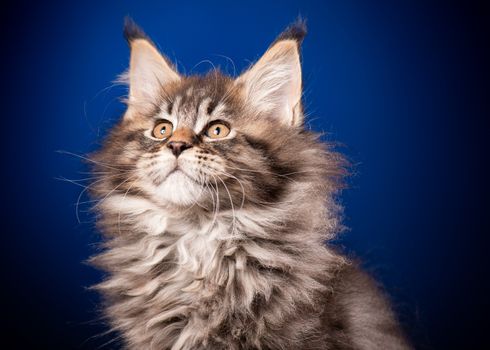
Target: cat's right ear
pixel 149 71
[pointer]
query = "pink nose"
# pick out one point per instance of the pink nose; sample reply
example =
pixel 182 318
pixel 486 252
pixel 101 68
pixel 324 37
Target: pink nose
pixel 177 147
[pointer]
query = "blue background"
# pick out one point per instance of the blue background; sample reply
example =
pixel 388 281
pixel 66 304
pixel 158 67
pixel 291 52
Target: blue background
pixel 403 85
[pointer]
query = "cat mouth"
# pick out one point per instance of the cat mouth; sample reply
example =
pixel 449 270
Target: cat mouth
pixel 174 171
pixel 178 170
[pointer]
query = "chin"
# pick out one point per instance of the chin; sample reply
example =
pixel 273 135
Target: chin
pixel 179 189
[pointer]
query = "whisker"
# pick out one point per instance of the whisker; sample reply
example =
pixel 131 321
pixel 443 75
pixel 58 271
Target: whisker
pixel 234 230
pixel 239 182
pixel 77 204
pixel 286 176
pixel 215 217
pixel 231 61
pixel 113 190
pixel 89 160
pixel 75 182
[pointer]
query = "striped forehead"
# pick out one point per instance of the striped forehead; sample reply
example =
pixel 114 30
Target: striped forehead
pixel 192 109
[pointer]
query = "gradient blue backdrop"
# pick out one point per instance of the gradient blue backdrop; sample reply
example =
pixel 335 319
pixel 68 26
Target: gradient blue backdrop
pixel 402 86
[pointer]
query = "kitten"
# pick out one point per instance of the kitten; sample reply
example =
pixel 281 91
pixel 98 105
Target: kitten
pixel 215 204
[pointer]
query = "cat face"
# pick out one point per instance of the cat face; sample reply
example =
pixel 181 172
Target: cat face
pixel 210 141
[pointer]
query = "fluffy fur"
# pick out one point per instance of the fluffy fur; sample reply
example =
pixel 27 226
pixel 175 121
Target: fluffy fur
pixel 224 246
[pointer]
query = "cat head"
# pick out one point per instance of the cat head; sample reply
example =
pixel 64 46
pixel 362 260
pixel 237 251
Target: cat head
pixel 213 140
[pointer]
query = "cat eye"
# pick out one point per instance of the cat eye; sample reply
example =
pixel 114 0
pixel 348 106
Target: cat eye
pixel 162 130
pixel 217 130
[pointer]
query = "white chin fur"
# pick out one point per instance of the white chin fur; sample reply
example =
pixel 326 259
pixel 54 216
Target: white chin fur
pixel 178 189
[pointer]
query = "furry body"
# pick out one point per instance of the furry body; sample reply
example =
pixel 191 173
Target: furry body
pixel 222 246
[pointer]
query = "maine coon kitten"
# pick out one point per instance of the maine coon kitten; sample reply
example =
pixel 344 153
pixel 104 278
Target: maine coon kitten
pixel 216 205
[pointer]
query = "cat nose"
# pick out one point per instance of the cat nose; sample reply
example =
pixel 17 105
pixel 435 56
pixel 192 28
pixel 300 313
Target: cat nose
pixel 177 147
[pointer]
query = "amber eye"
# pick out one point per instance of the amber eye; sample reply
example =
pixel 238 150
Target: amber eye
pixel 162 130
pixel 217 131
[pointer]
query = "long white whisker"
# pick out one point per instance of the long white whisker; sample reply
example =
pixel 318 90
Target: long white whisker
pixel 286 176
pixel 80 197
pixel 239 182
pixel 215 217
pixel 233 221
pixel 113 190
pixel 90 160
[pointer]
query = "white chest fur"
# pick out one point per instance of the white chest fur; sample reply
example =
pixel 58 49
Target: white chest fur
pixel 166 272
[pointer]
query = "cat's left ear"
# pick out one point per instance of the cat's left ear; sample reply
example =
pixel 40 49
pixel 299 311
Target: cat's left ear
pixel 273 85
pixel 149 71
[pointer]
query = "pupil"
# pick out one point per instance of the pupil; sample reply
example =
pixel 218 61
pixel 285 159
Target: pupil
pixel 217 130
pixel 162 130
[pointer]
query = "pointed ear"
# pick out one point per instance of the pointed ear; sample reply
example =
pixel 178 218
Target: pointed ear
pixel 149 71
pixel 273 85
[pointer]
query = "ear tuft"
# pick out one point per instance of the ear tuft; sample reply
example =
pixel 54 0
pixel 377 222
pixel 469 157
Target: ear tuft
pixel 132 31
pixel 296 31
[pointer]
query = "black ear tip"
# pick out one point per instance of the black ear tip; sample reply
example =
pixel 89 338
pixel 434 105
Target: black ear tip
pixel 132 31
pixel 296 31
